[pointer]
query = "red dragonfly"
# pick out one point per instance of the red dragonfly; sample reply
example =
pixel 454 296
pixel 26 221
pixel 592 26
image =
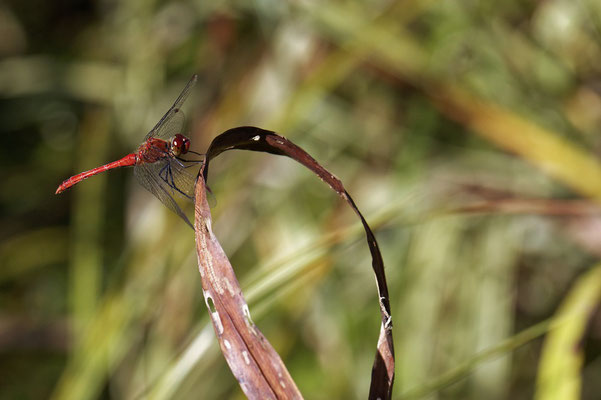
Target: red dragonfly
pixel 158 162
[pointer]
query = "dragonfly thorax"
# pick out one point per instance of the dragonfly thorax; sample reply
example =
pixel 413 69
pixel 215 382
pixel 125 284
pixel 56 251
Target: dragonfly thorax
pixel 179 144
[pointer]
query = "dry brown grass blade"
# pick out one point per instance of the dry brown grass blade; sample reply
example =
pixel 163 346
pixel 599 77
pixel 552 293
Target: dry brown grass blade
pixel 251 358
pixel 557 156
pixel 256 139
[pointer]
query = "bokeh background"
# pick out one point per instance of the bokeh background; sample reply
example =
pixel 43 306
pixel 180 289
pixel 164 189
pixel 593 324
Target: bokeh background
pixel 467 132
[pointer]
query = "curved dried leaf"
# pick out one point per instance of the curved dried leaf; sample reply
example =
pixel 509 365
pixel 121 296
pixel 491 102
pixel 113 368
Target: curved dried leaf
pixel 253 361
pixel 212 260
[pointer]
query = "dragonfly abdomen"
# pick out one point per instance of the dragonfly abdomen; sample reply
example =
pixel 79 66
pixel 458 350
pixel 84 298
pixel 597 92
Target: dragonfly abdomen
pixel 127 161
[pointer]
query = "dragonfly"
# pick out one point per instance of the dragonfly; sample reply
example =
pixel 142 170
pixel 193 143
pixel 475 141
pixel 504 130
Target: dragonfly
pixel 159 165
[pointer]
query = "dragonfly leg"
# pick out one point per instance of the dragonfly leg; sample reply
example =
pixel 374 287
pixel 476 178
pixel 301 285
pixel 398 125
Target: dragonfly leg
pixel 164 171
pixel 168 178
pixel 171 177
pixel 171 182
pixel 179 161
pixel 166 175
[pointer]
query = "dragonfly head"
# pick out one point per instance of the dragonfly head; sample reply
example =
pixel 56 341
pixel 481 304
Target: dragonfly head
pixel 179 144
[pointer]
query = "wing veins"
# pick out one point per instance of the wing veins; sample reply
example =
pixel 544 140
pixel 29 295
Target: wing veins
pixel 175 108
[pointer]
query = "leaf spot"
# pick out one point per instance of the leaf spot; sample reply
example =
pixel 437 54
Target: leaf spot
pixel 214 313
pixel 217 322
pixel 247 318
pixel 209 302
pixel 229 287
pixel 246 358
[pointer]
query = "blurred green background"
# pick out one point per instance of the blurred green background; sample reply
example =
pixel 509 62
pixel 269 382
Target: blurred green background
pixel 467 132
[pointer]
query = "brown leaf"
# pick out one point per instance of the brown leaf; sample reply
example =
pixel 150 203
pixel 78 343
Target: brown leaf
pixel 230 312
pixel 253 361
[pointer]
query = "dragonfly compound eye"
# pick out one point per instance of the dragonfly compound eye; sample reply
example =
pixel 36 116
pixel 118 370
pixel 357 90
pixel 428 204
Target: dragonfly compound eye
pixel 180 144
pixel 186 146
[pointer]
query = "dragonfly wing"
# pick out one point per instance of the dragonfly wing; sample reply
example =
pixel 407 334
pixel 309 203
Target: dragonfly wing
pixel 173 122
pixel 167 180
pixel 174 110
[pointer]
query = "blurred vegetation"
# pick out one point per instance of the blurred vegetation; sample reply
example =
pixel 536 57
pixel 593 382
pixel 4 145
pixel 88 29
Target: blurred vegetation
pixel 422 108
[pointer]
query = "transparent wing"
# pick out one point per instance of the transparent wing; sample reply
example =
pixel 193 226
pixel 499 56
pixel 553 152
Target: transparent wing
pixel 173 122
pixel 168 180
pixel 171 116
